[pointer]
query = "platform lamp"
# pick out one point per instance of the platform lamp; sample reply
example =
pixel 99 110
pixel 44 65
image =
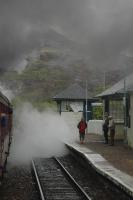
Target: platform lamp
pixel 86 100
pixel 125 114
pixel 86 106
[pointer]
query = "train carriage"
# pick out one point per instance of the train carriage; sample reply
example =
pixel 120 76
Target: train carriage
pixel 5 132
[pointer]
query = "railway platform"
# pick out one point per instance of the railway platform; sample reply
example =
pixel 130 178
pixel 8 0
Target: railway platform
pixel 119 155
pixel 114 162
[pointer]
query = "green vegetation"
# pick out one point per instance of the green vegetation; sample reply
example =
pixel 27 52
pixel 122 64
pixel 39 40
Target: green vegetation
pixel 40 81
pixel 98 112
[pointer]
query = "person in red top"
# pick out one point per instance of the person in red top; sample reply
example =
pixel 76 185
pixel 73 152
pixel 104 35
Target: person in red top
pixel 82 125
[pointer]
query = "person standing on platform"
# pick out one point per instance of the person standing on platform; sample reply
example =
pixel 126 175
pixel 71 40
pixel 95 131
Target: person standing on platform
pixel 106 128
pixel 82 125
pixel 112 130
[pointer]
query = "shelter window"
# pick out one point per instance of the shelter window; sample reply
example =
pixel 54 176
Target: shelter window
pixel 97 111
pixel 116 110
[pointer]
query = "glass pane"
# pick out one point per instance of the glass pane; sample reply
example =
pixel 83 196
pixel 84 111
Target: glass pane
pixel 117 110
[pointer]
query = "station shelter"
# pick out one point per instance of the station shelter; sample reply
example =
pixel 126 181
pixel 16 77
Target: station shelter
pixel 118 102
pixel 73 99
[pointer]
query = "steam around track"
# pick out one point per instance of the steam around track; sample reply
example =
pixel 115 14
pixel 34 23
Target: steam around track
pixel 38 134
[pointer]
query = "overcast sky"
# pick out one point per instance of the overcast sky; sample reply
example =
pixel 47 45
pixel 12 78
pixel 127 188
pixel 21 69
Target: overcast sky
pixel 106 26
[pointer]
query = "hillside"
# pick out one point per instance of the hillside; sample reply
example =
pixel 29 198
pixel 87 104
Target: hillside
pixel 59 63
pixel 39 82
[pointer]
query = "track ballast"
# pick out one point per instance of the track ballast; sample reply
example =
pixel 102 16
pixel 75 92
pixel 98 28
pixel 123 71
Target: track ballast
pixel 65 178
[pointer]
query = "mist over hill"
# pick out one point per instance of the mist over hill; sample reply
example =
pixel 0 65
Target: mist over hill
pixel 99 32
pixel 58 63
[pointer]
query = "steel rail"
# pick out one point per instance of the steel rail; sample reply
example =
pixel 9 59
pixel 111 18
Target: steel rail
pixel 38 181
pixel 73 180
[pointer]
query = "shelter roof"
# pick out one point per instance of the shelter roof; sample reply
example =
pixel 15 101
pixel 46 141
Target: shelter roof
pixel 73 92
pixel 118 88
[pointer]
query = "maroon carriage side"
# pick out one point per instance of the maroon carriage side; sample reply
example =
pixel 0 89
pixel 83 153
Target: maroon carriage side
pixel 5 132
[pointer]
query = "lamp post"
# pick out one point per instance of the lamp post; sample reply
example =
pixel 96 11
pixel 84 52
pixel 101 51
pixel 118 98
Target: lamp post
pixel 104 80
pixel 85 109
pixel 125 113
pixel 86 105
pixel 86 101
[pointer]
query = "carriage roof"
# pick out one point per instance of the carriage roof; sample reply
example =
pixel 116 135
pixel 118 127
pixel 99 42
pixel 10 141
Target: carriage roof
pixel 4 100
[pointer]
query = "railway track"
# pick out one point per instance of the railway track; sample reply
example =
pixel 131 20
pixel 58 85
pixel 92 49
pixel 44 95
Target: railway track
pixel 65 178
pixel 55 182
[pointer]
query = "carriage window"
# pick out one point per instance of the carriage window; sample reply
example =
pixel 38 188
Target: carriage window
pixel 116 110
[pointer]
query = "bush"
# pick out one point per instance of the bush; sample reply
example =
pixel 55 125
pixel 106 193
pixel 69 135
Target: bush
pixel 97 112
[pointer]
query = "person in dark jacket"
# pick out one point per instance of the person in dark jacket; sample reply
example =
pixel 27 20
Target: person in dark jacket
pixel 106 128
pixel 112 130
pixel 82 125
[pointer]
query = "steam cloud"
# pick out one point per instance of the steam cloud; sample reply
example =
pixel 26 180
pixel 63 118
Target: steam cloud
pixel 105 27
pixel 38 134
